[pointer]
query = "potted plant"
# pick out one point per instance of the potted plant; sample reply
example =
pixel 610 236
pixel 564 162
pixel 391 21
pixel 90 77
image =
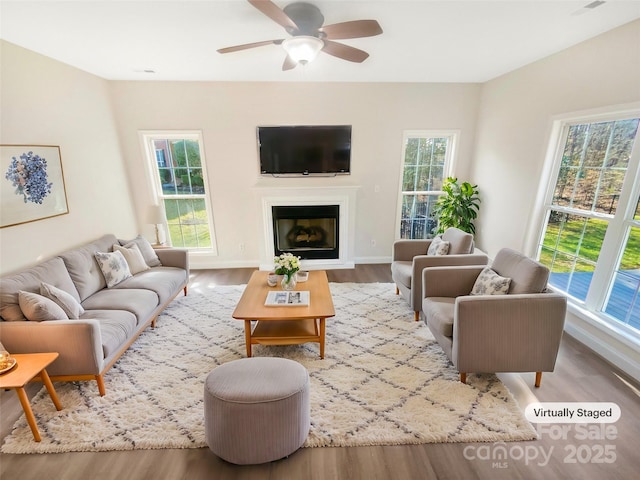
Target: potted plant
pixel 458 207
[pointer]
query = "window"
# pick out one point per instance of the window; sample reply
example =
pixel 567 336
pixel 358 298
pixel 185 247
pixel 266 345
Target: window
pixel 178 169
pixel 591 236
pixel 426 163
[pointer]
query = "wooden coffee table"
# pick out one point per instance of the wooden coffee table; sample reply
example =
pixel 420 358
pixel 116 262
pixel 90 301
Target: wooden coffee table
pixel 286 325
pixel 28 367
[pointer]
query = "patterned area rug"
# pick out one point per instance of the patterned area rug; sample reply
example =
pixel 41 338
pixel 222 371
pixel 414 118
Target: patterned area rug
pixel 384 381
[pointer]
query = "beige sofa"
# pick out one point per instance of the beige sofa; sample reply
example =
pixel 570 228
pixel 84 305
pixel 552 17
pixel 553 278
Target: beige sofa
pixel 87 322
pixel 410 257
pixel 518 330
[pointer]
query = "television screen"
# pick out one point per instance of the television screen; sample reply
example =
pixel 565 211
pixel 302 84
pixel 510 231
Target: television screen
pixel 305 150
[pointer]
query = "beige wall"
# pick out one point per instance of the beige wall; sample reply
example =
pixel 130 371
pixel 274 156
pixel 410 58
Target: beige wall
pixel 516 115
pixel 45 102
pixel 228 114
pixel 514 125
pixel 504 127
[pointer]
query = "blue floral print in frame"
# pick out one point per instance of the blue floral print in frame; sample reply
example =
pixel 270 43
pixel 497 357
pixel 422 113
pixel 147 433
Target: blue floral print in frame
pixel 31 184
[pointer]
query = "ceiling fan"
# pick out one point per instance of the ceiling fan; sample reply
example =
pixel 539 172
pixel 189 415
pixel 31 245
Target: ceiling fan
pixel 304 22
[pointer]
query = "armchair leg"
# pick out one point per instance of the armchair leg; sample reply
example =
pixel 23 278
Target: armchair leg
pixel 416 316
pixel 538 378
pixel 397 290
pixel 463 377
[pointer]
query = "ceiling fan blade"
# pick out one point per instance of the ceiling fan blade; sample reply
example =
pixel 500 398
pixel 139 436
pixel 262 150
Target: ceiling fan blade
pixel 245 46
pixel 288 64
pixel 344 52
pixel 354 29
pixel 275 13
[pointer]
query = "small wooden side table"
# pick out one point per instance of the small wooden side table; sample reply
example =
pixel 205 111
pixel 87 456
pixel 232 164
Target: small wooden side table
pixel 30 365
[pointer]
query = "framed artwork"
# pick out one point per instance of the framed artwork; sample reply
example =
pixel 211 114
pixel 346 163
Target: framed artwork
pixel 31 184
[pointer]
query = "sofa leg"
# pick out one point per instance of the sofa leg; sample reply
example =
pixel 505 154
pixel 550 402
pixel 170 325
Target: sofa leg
pixel 185 290
pixel 416 316
pixel 463 377
pixel 100 382
pixel 538 378
pixel 397 290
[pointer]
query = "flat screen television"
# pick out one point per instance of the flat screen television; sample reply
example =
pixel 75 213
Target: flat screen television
pixel 305 150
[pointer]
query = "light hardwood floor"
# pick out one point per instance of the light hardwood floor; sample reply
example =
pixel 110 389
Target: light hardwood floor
pixel 580 376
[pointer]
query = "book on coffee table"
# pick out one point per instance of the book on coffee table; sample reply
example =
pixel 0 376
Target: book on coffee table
pixel 283 298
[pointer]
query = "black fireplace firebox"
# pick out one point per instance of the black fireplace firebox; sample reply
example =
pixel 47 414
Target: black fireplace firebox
pixel 310 232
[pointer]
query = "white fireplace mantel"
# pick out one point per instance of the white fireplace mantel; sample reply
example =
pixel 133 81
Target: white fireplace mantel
pixel 344 197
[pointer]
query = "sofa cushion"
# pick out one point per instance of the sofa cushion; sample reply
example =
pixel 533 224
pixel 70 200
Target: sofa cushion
pixel 83 266
pixel 116 327
pixel 490 283
pixel 38 308
pixel 137 301
pixel 401 272
pixel 52 271
pixel 65 300
pixel 133 256
pixel 439 311
pixel 438 247
pixel 527 275
pixel 148 253
pixel 113 266
pixel 460 242
pixel 164 281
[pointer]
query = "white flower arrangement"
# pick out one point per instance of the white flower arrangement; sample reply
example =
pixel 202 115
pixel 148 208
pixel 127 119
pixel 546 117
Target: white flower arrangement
pixel 286 264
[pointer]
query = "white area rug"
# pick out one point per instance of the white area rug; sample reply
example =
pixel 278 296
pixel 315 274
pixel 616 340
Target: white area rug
pixel 384 381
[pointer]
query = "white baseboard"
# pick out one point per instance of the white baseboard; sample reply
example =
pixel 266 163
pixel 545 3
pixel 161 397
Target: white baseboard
pixel 617 349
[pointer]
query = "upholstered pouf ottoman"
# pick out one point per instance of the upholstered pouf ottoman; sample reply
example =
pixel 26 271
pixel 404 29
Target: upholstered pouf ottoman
pixel 256 410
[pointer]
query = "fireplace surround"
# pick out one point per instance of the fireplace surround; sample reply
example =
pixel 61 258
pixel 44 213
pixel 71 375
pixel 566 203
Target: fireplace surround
pixel 320 205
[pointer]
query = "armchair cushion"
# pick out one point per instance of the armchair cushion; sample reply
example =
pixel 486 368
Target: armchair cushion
pixel 490 283
pixel 460 242
pixel 527 275
pixel 439 311
pixel 402 271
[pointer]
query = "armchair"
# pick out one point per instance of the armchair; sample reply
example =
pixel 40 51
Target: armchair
pixel 410 257
pixel 515 332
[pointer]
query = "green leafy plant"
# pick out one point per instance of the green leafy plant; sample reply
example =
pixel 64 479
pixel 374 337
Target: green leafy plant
pixel 458 207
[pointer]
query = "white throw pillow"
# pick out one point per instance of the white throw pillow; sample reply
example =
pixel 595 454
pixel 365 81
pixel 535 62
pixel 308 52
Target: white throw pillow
pixel 134 258
pixel 148 253
pixel 63 299
pixel 37 308
pixel 490 283
pixel 438 247
pixel 114 267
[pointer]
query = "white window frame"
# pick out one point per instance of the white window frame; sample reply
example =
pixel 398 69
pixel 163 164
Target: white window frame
pixel 615 238
pixel 450 160
pixel 146 138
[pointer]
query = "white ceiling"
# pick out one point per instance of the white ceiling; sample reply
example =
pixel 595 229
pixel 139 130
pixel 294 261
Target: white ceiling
pixel 423 40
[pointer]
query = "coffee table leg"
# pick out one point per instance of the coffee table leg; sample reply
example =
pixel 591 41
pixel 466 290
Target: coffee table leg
pixel 322 338
pixel 52 392
pixel 31 420
pixel 247 336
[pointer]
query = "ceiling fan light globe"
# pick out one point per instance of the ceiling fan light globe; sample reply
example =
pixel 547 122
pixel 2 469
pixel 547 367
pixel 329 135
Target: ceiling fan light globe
pixel 303 49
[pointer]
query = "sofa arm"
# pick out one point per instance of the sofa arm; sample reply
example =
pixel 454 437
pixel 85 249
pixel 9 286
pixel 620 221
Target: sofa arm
pixel 79 343
pixel 498 333
pixel 174 257
pixel 405 250
pixel 449 281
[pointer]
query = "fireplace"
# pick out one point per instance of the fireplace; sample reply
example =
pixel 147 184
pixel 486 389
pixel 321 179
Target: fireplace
pixel 341 199
pixel 308 231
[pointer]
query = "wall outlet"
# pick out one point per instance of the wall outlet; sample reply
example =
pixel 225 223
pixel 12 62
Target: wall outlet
pixel 241 247
pixel 373 242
